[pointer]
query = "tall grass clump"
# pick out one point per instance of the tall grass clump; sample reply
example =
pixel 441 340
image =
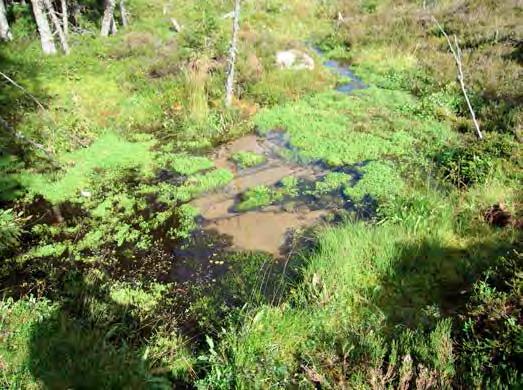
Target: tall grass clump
pixel 195 92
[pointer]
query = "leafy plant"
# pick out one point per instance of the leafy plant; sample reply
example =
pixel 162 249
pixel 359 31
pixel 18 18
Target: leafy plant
pixel 464 166
pixel 10 230
pixel 255 197
pixel 248 159
pixel 491 340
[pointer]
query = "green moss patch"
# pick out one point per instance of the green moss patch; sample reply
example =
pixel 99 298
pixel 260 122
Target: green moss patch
pixel 187 165
pixel 381 180
pixel 342 130
pixel 108 155
pixel 248 159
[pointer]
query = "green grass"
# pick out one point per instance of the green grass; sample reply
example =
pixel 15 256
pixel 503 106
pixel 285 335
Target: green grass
pixel 387 280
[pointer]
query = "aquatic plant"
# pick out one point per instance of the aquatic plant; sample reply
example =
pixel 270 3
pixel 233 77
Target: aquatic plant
pixel 247 159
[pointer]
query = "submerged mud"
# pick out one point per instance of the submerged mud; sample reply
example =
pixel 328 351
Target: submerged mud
pixel 269 228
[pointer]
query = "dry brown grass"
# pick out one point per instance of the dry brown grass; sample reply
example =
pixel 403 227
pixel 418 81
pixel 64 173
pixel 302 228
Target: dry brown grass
pixel 490 35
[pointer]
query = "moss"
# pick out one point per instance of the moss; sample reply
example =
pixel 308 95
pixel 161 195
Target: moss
pixel 331 182
pixel 108 154
pixel 187 165
pixel 342 130
pixel 248 159
pixel 255 197
pixel 212 180
pixel 381 180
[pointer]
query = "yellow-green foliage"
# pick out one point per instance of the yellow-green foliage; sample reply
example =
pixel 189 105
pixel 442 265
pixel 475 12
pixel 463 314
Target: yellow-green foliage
pixel 256 197
pixel 363 257
pixel 188 165
pixel 331 182
pixel 136 298
pixel 107 155
pixel 372 305
pixel 348 129
pixel 380 180
pixel 248 159
pixel 17 319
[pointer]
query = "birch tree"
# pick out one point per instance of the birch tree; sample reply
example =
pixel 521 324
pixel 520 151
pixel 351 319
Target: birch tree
pixel 46 37
pixel 5 32
pixel 108 23
pixel 123 13
pixel 229 86
pixel 65 17
pixel 57 26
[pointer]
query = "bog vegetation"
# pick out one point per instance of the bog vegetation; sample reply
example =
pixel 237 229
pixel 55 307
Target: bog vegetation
pixel 415 281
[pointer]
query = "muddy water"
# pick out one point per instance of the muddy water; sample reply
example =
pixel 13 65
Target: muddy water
pixel 266 229
pixel 270 229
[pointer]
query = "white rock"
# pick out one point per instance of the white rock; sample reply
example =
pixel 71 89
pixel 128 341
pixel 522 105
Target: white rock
pixel 294 59
pixel 85 194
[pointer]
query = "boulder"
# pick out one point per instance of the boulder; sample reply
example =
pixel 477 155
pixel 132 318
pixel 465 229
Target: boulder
pixel 294 59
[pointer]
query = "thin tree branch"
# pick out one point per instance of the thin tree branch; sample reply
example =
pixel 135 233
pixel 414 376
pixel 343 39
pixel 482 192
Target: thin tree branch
pixel 22 138
pixel 457 54
pixel 22 89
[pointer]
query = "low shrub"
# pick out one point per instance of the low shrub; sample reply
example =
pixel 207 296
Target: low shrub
pixel 472 162
pixel 490 341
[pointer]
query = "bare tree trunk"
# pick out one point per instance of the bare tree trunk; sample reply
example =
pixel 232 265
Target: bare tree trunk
pixel 5 32
pixel 108 19
pixel 114 28
pixel 229 86
pixel 65 18
pixel 456 53
pixel 58 28
pixel 46 37
pixel 123 12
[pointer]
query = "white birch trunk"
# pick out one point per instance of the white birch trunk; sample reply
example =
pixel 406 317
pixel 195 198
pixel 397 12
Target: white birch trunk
pixel 65 18
pixel 123 12
pixel 229 86
pixel 114 28
pixel 46 37
pixel 57 26
pixel 5 32
pixel 108 18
